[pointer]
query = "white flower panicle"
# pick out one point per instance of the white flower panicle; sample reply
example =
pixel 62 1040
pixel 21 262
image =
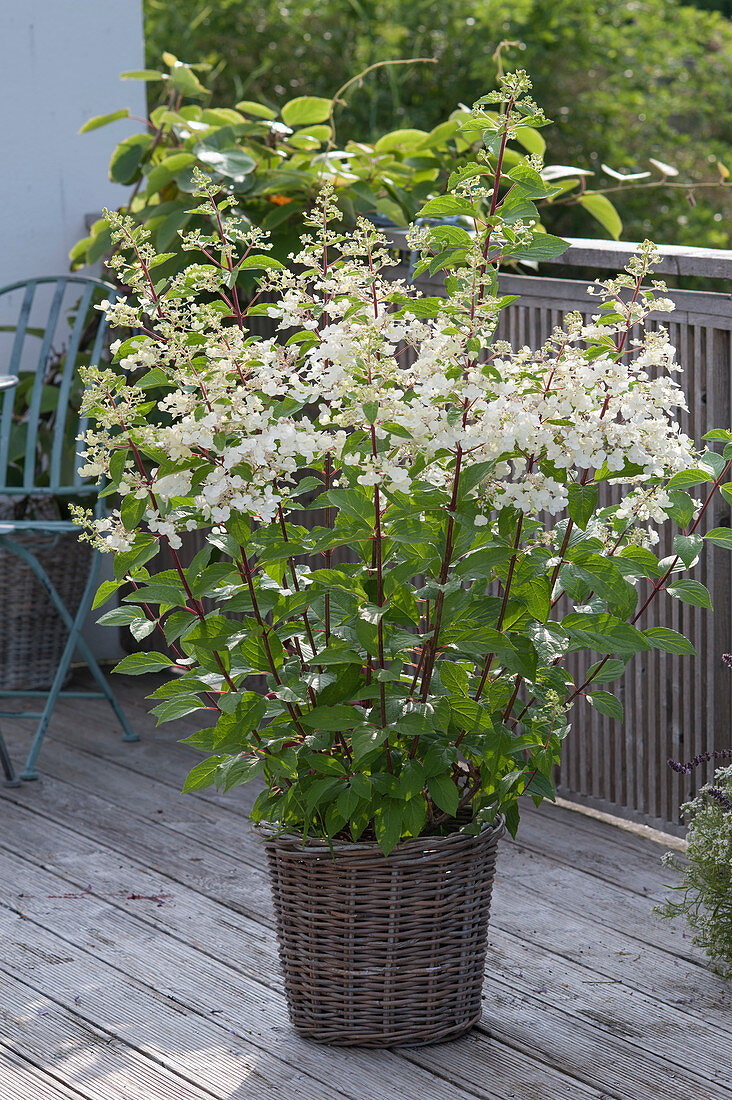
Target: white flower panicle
pixel 228 419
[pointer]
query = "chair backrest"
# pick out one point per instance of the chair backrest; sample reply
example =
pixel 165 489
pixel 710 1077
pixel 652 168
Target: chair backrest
pixel 39 419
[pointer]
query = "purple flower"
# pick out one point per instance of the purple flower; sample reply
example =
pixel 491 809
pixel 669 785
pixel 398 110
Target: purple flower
pixel 702 758
pixel 720 797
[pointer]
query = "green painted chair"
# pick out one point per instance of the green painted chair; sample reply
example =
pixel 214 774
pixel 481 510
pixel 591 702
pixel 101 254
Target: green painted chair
pixel 59 312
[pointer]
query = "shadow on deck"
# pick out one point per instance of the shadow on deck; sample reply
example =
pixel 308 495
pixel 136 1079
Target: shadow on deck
pixel 139 960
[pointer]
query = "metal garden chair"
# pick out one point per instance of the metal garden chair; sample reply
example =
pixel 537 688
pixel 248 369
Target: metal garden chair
pixel 52 476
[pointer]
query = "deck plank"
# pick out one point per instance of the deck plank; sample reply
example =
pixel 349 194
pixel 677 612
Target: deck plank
pixel 20 1079
pixel 543 839
pixel 78 1053
pixel 587 995
pixel 488 1067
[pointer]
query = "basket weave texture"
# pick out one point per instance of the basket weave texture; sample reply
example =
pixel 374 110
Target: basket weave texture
pixel 381 951
pixel 32 634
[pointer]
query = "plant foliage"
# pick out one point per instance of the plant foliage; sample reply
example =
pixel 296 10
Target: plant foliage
pixel 400 667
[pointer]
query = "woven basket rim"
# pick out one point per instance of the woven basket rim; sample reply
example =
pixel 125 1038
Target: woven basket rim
pixel 270 833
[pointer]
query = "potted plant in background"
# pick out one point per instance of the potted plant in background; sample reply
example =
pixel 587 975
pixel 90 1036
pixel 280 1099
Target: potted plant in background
pixel 273 163
pixel 397 705
pixel 704 895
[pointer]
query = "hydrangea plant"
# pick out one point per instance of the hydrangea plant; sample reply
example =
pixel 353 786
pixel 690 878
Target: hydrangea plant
pixel 398 668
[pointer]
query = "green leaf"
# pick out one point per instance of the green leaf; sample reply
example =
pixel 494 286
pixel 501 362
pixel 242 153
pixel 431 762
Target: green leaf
pixel 606 703
pixel 670 641
pixel 604 633
pixel 257 262
pixel 305 110
pixel 603 211
pixel 235 164
pixel 692 592
pixel 388 824
pixel 177 708
pixel 582 503
pixel 602 575
pixel 105 591
pixel 132 510
pixel 361 784
pixel 444 793
pixel 722 434
pixel 366 739
pixel 203 775
pixel 720 536
pixel 603 672
pixel 540 786
pixel 681 508
pixel 535 595
pixel 531 140
pixel 122 616
pixel 684 478
pixel 124 167
pixel 338 717
pixel 347 802
pixel 401 141
pixel 688 547
pixel 141 74
pixel 447 206
pixel 104 120
pixel 136 664
pixel 544 246
pixel 453 677
pixel 643 562
pixel 256 110
pixel 320 793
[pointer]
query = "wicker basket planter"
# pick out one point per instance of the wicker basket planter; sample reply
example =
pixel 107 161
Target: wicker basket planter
pixel 381 951
pixel 32 634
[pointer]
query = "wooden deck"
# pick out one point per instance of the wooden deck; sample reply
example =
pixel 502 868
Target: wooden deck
pixel 138 958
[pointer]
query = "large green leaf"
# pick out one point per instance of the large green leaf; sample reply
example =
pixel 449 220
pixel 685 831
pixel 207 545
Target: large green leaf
pixel 720 536
pixel 104 120
pixel 582 503
pixel 604 633
pixel 337 717
pixel 137 664
pixel 305 110
pixel 388 824
pixel 444 793
pixel 606 703
pixel 670 641
pixel 235 164
pixel 203 775
pixel 544 246
pixel 603 211
pixel 688 547
pixel 689 591
pixel 447 206
pixel 124 167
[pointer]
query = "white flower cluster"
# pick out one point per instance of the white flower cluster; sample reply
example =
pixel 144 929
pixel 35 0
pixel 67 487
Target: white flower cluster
pixel 242 415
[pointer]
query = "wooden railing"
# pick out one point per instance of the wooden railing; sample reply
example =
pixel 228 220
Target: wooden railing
pixel 674 706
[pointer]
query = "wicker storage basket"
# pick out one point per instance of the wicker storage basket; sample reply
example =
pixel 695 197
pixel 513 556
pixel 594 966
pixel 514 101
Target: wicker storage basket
pixel 32 635
pixel 381 951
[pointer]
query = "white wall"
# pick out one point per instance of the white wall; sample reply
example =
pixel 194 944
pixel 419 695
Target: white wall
pixel 59 64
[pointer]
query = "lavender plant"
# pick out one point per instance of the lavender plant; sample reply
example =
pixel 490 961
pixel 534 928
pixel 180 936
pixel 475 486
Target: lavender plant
pixel 420 686
pixel 705 890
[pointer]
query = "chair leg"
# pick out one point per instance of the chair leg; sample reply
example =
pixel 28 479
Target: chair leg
pixel 11 779
pixel 75 641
